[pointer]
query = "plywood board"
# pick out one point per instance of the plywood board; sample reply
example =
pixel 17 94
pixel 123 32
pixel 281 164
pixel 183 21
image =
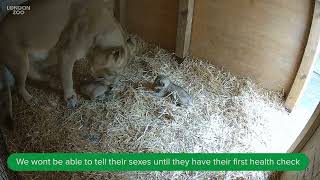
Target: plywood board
pixel 261 39
pixel 155 21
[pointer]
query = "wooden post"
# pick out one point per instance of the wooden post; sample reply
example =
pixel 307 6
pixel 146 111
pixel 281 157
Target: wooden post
pixel 185 14
pixel 309 58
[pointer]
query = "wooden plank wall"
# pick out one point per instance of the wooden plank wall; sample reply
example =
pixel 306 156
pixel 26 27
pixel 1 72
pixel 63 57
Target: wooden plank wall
pixel 154 20
pixel 261 39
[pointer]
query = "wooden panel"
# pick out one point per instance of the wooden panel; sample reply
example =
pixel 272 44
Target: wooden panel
pixel 154 21
pixel 312 150
pixel 184 27
pixel 261 39
pixel 308 61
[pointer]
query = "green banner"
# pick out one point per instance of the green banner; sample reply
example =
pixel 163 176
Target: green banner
pixel 156 162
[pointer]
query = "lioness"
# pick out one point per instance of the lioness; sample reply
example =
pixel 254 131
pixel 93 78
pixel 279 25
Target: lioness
pixel 62 31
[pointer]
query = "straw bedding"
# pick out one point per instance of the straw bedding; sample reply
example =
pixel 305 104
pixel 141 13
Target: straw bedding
pixel 228 115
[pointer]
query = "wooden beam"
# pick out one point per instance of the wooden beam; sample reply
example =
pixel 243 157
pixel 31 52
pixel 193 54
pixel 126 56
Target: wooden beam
pixel 309 58
pixel 307 132
pixel 185 14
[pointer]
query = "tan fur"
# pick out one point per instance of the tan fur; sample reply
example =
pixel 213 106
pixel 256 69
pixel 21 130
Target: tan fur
pixel 59 31
pixel 106 74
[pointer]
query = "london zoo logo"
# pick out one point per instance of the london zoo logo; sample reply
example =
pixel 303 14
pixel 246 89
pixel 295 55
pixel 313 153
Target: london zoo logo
pixel 18 10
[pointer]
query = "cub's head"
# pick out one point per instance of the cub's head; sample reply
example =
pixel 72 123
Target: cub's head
pixel 161 82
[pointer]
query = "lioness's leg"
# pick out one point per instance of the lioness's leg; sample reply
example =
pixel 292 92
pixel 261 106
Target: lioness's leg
pixel 66 68
pixel 20 68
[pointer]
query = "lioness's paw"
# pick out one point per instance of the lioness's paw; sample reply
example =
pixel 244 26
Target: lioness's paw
pixel 33 102
pixel 72 102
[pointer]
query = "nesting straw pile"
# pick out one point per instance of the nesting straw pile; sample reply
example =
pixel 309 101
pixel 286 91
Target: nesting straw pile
pixel 228 115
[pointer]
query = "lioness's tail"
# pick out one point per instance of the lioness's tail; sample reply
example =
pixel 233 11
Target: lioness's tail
pixel 6 99
pixel 9 122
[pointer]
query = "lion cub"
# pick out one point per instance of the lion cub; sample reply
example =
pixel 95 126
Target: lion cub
pixel 93 89
pixel 164 87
